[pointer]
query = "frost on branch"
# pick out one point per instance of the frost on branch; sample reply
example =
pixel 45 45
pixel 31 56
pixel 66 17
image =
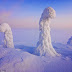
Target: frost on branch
pixel 44 45
pixel 8 37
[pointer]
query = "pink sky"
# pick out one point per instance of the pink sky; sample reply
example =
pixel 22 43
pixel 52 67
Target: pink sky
pixel 60 22
pixel 26 13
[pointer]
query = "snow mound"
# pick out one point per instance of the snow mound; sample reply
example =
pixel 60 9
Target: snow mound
pixel 13 60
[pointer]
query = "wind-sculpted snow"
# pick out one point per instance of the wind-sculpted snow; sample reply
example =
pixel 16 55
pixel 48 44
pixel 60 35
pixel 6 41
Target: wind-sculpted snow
pixel 14 60
pixel 48 13
pixel 8 37
pixel 44 46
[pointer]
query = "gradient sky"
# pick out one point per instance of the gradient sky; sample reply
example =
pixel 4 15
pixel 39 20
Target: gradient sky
pixel 26 13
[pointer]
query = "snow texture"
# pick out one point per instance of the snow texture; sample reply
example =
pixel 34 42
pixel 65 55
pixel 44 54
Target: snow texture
pixel 22 59
pixel 8 37
pixel 14 60
pixel 44 46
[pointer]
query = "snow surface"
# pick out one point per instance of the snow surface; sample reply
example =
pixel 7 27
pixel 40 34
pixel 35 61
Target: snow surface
pixel 44 46
pixel 14 60
pixel 22 58
pixel 8 37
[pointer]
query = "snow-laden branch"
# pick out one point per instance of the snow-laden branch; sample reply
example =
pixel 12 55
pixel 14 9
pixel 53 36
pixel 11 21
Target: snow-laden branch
pixel 8 37
pixel 44 45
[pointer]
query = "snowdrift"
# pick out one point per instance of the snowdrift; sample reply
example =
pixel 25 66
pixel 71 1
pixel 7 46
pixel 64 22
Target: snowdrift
pixel 15 60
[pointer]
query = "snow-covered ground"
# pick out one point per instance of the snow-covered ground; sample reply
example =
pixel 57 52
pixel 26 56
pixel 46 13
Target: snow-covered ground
pixel 22 58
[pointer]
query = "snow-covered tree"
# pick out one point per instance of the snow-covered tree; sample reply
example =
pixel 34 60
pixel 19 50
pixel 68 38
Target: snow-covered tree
pixel 44 45
pixel 69 41
pixel 8 37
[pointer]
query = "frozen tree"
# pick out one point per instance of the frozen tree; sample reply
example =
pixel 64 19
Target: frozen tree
pixel 8 37
pixel 69 41
pixel 44 45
